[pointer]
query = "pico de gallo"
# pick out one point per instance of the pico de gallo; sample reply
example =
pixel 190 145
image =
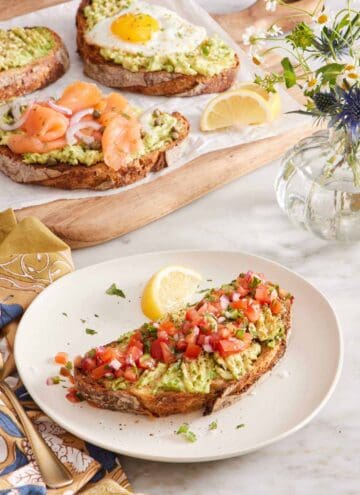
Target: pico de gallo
pixel 219 337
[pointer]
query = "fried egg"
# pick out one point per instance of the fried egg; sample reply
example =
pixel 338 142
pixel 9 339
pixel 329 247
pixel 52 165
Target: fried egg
pixel 147 29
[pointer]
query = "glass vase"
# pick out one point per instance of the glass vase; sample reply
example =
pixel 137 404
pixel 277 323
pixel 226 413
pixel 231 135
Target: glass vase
pixel 316 187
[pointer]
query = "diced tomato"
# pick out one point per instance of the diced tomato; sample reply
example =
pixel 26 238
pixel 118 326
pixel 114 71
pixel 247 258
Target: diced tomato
pixel 243 291
pixel 99 372
pixel 136 340
pixel 65 372
pixel 155 350
pixel 224 332
pixel 72 395
pixel 191 337
pixel 168 327
pixel 130 374
pixel 253 312
pixel 109 354
pixel 201 339
pixel 88 364
pixel 78 361
pixel 192 315
pixel 133 353
pixel 262 294
pixel 192 351
pixel 276 306
pixel 228 347
pixel 61 358
pixel 163 335
pixel 168 356
pixel 119 373
pixel 240 304
pixel 214 340
pixel 181 345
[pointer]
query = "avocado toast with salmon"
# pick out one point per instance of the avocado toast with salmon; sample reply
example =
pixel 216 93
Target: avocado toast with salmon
pixel 201 357
pixel 85 140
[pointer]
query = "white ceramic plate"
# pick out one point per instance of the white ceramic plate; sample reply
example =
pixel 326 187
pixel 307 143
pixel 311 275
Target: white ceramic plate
pixel 290 396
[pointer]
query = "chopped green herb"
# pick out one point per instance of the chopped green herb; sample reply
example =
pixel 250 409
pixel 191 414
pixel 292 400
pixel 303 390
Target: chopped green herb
pixel 241 425
pixel 186 433
pixel 56 380
pixel 254 282
pixel 90 331
pixel 240 333
pixel 96 316
pixel 82 320
pixel 213 425
pixel 69 365
pixel 203 290
pixel 64 314
pixel 114 291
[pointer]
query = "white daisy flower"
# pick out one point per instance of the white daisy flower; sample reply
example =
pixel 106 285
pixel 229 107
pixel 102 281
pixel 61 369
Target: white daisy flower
pixel 325 18
pixel 251 37
pixel 313 82
pixel 275 31
pixel 270 5
pixel 351 75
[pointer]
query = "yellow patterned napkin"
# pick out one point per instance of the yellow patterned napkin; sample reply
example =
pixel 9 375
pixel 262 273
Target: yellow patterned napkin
pixel 31 258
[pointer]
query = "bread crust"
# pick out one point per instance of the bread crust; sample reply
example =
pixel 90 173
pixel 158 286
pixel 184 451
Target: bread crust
pixel 222 394
pixel 155 83
pixel 36 75
pixel 97 177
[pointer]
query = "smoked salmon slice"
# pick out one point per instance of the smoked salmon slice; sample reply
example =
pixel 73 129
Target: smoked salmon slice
pixel 80 95
pixel 121 138
pixel 23 143
pixel 45 123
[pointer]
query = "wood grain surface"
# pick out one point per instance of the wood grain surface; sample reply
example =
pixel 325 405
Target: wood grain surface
pixel 90 221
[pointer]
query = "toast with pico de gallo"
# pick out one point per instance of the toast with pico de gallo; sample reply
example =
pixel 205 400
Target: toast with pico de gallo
pixel 85 139
pixel 201 357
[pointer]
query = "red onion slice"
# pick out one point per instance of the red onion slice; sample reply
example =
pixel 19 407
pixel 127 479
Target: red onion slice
pixel 86 139
pixel 74 129
pixel 208 348
pixel 236 296
pixel 75 119
pixel 224 302
pixel 58 108
pixel 18 123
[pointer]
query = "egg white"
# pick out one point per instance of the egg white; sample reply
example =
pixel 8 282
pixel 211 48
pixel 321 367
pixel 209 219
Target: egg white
pixel 176 35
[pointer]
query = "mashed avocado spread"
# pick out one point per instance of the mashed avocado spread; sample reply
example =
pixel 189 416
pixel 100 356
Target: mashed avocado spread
pixel 210 58
pixel 21 46
pixel 161 128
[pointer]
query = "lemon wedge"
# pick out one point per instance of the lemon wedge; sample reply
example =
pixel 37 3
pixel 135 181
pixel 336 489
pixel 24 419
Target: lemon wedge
pixel 245 104
pixel 168 290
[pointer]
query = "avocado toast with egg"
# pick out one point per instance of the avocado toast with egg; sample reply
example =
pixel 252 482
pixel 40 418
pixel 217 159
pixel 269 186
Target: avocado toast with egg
pixel 30 58
pixel 85 140
pixel 146 48
pixel 201 357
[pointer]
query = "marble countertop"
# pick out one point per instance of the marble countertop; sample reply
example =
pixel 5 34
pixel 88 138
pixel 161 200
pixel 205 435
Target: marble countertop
pixel 324 457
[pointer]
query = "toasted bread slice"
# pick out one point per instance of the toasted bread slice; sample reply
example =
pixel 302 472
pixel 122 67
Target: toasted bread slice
pixel 36 74
pixel 98 177
pixel 155 83
pixel 222 393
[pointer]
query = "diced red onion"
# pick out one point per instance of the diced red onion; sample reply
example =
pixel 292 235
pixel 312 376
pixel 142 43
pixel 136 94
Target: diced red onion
pixel 196 331
pixel 273 294
pixel 74 129
pixel 156 325
pixel 58 108
pixel 208 348
pixel 221 319
pixel 224 302
pixel 50 381
pixel 75 119
pixel 86 139
pixel 235 296
pixel 115 364
pixel 130 361
pixel 109 375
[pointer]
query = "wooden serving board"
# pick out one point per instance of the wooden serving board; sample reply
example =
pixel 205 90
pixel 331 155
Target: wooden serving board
pixel 91 221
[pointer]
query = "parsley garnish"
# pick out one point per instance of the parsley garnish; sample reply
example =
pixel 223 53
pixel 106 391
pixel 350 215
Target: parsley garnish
pixel 96 316
pixel 82 320
pixel 241 425
pixel 255 281
pixel 186 433
pixel 56 380
pixel 64 314
pixel 90 331
pixel 114 291
pixel 69 365
pixel 213 425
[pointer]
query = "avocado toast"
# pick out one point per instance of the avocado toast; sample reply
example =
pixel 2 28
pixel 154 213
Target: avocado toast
pixel 117 41
pixel 85 140
pixel 30 58
pixel 201 357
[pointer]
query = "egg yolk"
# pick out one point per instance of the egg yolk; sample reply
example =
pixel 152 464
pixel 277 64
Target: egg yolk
pixel 136 28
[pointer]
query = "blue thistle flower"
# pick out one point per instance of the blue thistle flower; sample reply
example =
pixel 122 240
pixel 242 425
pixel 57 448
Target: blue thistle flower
pixel 349 116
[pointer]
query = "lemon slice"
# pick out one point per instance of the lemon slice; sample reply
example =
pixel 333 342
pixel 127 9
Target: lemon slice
pixel 168 290
pixel 245 104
